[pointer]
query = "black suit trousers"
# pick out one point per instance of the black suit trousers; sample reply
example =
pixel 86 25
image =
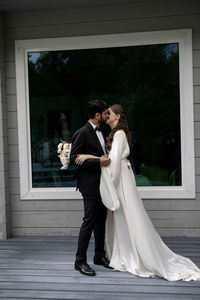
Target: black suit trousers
pixel 93 221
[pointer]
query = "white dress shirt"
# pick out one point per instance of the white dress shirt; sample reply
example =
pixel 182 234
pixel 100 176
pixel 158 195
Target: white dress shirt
pixel 100 137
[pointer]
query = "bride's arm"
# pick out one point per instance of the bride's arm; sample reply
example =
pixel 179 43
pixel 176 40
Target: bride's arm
pixel 82 157
pixel 104 159
pixel 116 155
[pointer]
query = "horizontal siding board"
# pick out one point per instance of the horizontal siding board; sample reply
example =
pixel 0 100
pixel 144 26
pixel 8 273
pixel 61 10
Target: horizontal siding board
pixel 112 26
pixel 197 94
pixel 58 219
pixel 14 169
pixel 196 41
pixel 45 205
pixel 103 13
pixel 197 109
pixel 197 130
pixel 150 204
pixel 46 219
pixel 10 69
pixel 196 74
pixel 11 103
pixel 61 248
pixel 13 153
pixel 196 58
pixel 14 186
pixel 197 182
pixel 197 148
pixel 45 231
pixel 11 86
pixel 173 232
pixel 12 119
pixel 10 53
pixel 12 136
pixel 197 162
pixel 5 144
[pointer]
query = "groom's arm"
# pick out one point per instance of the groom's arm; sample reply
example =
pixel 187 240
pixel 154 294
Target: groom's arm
pixel 78 148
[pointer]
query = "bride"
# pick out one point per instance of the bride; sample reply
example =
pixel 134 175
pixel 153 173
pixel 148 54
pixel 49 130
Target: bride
pixel 132 242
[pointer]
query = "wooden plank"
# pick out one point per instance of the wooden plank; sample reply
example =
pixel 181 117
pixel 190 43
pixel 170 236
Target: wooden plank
pixel 103 27
pixel 13 140
pixel 196 41
pixel 62 285
pixel 45 205
pixel 11 103
pixel 46 239
pixel 22 294
pixel 197 100
pixel 62 250
pixel 149 204
pixel 70 239
pixel 70 231
pixel 47 219
pixel 197 160
pixel 197 146
pixel 196 73
pixel 174 232
pixel 101 278
pixel 10 53
pixel 10 69
pixel 196 58
pixel 70 248
pixel 101 13
pixel 74 218
pixel 68 258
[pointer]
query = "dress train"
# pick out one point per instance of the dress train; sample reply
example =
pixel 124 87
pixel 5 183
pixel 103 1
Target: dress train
pixel 132 242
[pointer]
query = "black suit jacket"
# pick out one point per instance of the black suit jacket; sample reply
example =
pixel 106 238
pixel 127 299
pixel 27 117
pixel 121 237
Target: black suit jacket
pixel 85 141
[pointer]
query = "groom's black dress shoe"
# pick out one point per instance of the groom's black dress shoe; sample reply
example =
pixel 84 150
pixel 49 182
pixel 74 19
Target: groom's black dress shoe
pixel 103 261
pixel 85 269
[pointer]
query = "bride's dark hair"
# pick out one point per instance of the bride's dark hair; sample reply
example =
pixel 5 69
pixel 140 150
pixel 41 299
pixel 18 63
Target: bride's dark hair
pixel 122 124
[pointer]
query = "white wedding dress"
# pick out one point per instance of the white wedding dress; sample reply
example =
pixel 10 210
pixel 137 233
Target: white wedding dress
pixel 132 242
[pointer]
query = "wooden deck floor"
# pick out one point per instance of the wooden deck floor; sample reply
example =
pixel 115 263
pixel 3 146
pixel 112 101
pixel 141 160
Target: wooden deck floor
pixel 42 268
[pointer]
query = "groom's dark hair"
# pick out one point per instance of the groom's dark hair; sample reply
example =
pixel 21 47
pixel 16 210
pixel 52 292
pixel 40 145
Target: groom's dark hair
pixel 96 106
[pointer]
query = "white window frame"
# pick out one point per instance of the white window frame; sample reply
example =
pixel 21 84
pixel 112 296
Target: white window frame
pixel 181 36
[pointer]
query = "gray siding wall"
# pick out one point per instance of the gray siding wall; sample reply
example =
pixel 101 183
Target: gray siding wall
pixel 56 217
pixel 4 174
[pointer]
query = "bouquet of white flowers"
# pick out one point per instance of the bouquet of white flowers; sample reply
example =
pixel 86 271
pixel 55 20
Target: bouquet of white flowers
pixel 64 150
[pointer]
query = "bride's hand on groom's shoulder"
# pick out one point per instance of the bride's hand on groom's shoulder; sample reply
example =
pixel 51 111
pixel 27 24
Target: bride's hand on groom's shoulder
pixel 104 160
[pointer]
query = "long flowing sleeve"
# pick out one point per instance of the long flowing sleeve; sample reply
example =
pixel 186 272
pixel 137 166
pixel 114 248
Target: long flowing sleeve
pixel 116 156
pixel 110 175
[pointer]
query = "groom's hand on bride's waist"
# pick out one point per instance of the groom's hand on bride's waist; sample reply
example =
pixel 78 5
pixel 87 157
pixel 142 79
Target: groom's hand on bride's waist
pixel 104 160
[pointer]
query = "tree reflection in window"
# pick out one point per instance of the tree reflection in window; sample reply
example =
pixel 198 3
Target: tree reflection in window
pixel 144 79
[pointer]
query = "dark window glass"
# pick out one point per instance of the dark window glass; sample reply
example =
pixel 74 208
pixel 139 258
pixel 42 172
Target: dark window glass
pixel 144 79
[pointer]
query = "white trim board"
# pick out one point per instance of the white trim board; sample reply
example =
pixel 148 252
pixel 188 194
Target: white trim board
pixel 181 36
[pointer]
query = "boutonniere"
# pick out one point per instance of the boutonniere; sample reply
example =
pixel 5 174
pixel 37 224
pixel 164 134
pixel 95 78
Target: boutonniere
pixel 64 149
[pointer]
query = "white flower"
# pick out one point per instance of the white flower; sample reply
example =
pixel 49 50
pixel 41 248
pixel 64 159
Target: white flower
pixel 64 151
pixel 66 146
pixel 60 145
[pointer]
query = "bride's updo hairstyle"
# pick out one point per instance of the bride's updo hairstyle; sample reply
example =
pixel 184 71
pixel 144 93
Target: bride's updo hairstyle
pixel 122 124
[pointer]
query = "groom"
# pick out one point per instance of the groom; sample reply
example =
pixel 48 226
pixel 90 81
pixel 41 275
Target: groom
pixel 90 140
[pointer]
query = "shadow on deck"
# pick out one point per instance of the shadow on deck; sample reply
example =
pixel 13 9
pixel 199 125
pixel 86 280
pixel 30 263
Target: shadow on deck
pixel 43 268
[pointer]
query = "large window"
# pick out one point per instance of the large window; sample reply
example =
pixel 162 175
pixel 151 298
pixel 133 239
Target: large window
pixel 146 78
